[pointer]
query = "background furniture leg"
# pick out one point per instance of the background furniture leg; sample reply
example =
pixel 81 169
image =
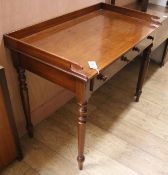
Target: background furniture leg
pixel 25 99
pixel 144 6
pixel 113 2
pixel 143 71
pixel 164 54
pixel 81 133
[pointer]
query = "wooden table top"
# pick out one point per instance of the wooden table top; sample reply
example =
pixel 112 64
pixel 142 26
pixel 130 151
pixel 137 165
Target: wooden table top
pixel 102 36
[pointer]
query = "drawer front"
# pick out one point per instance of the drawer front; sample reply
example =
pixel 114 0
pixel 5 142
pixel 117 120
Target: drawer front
pixel 108 72
pixel 120 63
pixel 140 47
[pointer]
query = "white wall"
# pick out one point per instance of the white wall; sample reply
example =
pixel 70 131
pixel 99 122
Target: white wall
pixel 121 2
pixel 159 2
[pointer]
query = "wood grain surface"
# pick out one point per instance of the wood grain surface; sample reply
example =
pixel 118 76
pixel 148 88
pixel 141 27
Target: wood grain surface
pixel 102 36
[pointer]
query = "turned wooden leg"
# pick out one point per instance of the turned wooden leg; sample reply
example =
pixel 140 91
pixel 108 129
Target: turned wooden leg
pixel 81 133
pixel 164 54
pixel 25 99
pixel 143 71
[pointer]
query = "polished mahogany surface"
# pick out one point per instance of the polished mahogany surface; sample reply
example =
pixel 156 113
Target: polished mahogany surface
pixel 102 36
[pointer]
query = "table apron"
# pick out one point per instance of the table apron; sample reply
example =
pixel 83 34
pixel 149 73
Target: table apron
pixel 50 73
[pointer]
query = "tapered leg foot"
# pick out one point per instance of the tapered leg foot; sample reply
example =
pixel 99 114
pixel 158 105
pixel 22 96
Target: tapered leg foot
pixel 80 160
pixel 30 130
pixel 137 96
pixel 19 157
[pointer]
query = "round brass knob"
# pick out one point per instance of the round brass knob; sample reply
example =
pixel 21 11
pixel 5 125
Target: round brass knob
pixel 150 37
pixel 102 77
pixel 124 58
pixel 136 49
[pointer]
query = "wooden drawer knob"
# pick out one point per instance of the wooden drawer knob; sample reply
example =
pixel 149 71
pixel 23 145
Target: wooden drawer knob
pixel 124 58
pixel 102 77
pixel 150 37
pixel 136 49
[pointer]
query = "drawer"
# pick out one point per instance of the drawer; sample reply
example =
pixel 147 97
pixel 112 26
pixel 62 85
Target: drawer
pixel 140 47
pixel 108 73
pixel 115 67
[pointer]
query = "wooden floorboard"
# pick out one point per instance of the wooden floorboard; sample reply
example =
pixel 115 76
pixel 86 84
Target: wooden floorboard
pixel 123 137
